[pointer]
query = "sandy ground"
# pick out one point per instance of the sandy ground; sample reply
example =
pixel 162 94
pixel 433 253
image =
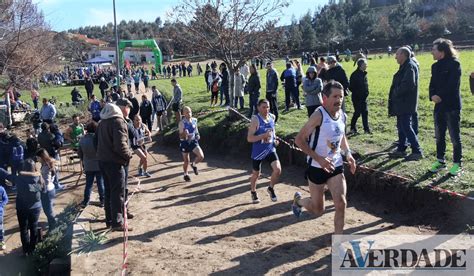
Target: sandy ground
pixel 210 226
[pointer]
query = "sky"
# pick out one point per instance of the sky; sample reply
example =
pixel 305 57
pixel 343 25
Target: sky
pixel 70 14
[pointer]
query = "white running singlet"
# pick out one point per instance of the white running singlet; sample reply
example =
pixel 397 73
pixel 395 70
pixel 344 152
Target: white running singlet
pixel 326 139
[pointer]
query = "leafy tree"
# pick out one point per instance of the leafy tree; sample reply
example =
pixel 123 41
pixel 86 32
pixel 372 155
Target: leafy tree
pixel 308 34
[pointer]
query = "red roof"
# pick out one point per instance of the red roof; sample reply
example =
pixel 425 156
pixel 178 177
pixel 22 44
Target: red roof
pixel 92 41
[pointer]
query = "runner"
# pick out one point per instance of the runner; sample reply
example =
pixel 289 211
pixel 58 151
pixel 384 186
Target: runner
pixel 262 134
pixel 189 137
pixel 141 134
pixel 325 133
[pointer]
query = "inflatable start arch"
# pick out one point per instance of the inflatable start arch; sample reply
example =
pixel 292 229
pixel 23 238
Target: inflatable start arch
pixel 146 43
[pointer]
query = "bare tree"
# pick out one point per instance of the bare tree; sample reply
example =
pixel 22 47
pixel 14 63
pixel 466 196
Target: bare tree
pixel 231 30
pixel 26 43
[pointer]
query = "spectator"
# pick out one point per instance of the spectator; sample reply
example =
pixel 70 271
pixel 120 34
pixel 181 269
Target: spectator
pixel 312 87
pixel 48 169
pixel 214 82
pixel 337 73
pixel 74 132
pixel 299 77
pixel 239 84
pixel 129 81
pixel 146 111
pixel 76 97
pixel 445 93
pixel 46 138
pixel 135 105
pixel 253 87
pixel 58 143
pixel 17 152
pixel 245 70
pixel 471 82
pixel 272 89
pixel 206 78
pixel 47 112
pixel 103 85
pixel 28 203
pixel 322 69
pixel 159 107
pixel 177 100
pixel 95 108
pixel 3 203
pixel 359 87
pixel 190 70
pixel 113 153
pixel 35 97
pixel 89 86
pixel 403 102
pixel 289 78
pixel 224 88
pixel 88 154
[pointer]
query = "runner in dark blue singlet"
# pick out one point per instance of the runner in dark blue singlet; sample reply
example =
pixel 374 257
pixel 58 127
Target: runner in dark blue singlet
pixel 261 134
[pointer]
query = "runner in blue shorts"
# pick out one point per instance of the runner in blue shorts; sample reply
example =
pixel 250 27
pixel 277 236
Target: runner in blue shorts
pixel 261 134
pixel 323 139
pixel 189 137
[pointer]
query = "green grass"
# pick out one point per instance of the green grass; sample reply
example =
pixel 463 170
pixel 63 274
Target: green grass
pixel 380 73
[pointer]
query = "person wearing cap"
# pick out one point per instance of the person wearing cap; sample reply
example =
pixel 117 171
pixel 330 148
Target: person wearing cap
pixel 114 153
pixel 359 87
pixel 312 87
pixel 272 89
pixel 103 85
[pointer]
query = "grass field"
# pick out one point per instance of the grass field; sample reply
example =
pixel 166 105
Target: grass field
pixel 371 147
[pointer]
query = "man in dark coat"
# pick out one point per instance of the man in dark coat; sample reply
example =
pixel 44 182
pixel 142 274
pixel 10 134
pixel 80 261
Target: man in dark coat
pixel 359 87
pixel 135 106
pixel 89 86
pixel 403 103
pixel 146 110
pixel 291 89
pixel 337 73
pixel 445 93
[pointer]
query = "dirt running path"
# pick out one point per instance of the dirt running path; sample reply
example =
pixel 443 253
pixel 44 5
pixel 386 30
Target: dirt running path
pixel 210 226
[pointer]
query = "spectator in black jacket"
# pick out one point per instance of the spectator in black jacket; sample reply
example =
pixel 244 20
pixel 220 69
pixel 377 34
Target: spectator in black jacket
pixel 337 73
pixel 135 106
pixel 224 88
pixel 146 110
pixel 89 86
pixel 253 87
pixel 403 102
pixel 445 93
pixel 76 96
pixel 359 87
pixel 103 85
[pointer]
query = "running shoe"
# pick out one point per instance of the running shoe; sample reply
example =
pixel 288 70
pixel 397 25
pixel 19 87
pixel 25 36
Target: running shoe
pixel 455 169
pixel 3 246
pixel 272 194
pixel 295 207
pixel 437 166
pixel 187 178
pixel 195 169
pixel 140 172
pixel 146 174
pixel 255 197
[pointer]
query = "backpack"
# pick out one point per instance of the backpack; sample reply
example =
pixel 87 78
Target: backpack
pixel 17 153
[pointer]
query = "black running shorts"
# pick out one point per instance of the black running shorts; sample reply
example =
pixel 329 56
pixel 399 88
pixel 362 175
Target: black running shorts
pixel 257 164
pixel 319 176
